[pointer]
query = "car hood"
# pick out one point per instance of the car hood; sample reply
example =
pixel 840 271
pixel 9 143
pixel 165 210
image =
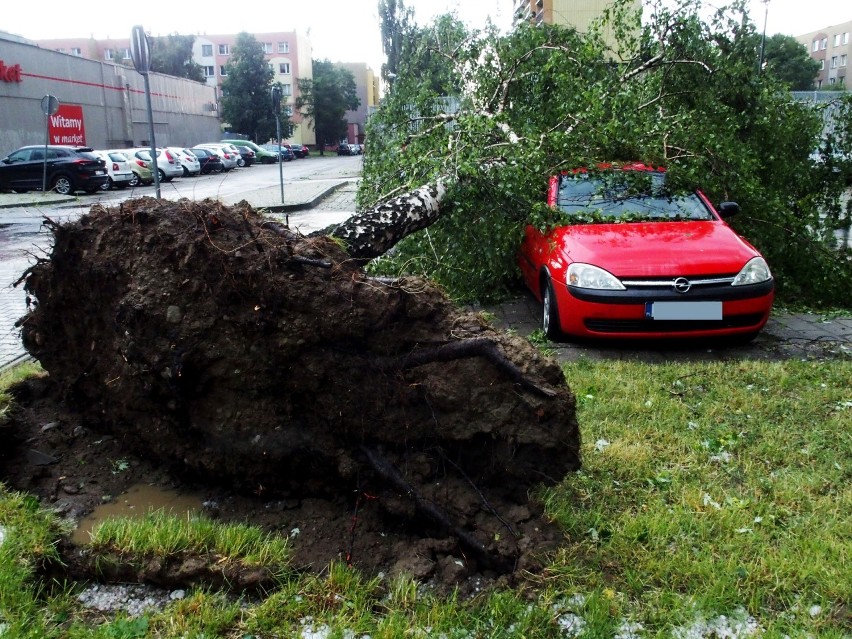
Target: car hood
pixel 656 248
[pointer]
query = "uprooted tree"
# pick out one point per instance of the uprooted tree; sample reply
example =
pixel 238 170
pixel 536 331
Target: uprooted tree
pixel 232 349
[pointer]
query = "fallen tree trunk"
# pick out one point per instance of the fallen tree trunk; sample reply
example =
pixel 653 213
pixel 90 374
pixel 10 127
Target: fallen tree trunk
pixel 236 351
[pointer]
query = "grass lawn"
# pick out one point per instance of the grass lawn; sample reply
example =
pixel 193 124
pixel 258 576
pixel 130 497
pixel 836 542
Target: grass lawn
pixel 714 501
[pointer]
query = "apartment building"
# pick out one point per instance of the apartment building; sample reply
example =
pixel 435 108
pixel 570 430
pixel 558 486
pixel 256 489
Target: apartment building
pixel 288 53
pixel 831 48
pixel 569 13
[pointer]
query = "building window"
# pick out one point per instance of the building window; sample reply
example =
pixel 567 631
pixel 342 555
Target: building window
pixel 224 49
pixel 846 38
pixel 267 47
pixel 286 89
pixel 60 50
pixel 816 45
pixel 837 40
pixel 207 50
pixel 284 68
pixel 822 65
pixel 832 81
pixel 223 71
pixel 209 72
pixel 283 47
pixel 843 60
pixel 834 62
pixel 124 53
pixel 823 43
pixel 108 55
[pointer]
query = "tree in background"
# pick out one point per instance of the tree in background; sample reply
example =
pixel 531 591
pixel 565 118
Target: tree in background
pixel 172 55
pixel 247 90
pixel 324 99
pixel 397 28
pixel 789 61
pixel 459 178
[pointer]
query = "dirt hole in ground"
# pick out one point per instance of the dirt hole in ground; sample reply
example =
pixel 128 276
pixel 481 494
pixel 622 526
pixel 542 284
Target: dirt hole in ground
pixel 210 349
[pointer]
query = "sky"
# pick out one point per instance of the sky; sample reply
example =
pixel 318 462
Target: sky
pixel 339 30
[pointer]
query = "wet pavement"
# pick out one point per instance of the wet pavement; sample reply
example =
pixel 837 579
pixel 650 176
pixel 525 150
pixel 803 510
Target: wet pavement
pixel 315 205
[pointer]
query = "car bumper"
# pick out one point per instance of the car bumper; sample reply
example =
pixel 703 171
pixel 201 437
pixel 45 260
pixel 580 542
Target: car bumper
pixel 744 310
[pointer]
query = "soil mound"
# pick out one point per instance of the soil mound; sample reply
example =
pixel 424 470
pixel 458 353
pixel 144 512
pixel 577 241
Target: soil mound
pixel 217 344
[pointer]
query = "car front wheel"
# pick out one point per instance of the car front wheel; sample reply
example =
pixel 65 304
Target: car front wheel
pixel 550 314
pixel 62 184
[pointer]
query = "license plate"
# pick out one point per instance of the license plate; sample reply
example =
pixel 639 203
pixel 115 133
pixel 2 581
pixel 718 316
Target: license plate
pixel 683 310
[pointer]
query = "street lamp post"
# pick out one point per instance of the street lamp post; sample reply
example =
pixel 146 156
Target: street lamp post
pixel 763 39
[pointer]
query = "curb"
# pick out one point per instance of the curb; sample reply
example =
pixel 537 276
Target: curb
pixel 302 206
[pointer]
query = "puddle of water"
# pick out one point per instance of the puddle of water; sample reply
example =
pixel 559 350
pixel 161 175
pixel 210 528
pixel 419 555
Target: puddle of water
pixel 136 502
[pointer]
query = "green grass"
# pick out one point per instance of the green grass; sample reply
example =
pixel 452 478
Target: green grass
pixel 714 501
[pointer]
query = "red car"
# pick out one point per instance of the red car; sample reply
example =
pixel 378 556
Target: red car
pixel 634 261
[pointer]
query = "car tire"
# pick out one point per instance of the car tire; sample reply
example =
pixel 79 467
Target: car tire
pixel 241 163
pixel 134 181
pixel 106 186
pixel 185 172
pixel 63 185
pixel 550 324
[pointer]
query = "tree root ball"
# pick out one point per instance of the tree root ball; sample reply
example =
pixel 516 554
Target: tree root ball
pixel 235 351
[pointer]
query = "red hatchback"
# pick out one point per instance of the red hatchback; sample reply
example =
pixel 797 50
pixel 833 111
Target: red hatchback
pixel 634 261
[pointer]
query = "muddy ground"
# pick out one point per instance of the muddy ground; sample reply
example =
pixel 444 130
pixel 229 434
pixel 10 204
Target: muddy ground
pixel 201 348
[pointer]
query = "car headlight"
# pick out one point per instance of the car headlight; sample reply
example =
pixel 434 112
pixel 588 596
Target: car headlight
pixel 754 272
pixel 588 276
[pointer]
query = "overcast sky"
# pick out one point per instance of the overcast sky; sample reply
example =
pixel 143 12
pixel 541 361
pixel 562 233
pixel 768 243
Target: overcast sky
pixel 340 30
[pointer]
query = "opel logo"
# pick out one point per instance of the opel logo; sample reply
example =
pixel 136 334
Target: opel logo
pixel 682 285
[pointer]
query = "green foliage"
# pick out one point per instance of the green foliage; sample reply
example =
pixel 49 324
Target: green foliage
pixel 247 90
pixel 683 92
pixel 172 54
pixel 325 98
pixel 397 26
pixel 789 62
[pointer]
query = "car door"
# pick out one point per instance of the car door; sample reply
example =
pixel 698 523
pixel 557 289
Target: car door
pixel 21 170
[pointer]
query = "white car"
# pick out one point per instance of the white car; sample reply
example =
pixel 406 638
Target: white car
pixel 229 158
pixel 118 169
pixel 168 166
pixel 187 160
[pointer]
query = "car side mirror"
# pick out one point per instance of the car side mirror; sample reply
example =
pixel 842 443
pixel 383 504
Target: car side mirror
pixel 727 209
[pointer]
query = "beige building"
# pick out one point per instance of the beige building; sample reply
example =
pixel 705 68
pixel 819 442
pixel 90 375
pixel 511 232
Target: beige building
pixel 367 91
pixel 569 13
pixel 830 47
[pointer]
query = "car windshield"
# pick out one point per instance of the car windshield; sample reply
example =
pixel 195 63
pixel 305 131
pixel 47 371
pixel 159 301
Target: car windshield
pixel 626 195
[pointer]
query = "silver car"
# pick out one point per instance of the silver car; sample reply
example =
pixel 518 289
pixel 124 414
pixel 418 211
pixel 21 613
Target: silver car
pixel 118 169
pixel 229 158
pixel 187 160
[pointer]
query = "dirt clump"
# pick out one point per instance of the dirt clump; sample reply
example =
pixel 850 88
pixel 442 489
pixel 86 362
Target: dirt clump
pixel 213 347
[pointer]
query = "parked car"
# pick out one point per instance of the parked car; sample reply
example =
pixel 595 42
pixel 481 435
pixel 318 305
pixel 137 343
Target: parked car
pixel 260 154
pixel 142 174
pixel 286 152
pixel 245 156
pixel 188 161
pixel 344 149
pixel 168 166
pixel 633 260
pixel 69 169
pixel 118 169
pixel 300 150
pixel 229 158
pixel 209 161
pixel 355 149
